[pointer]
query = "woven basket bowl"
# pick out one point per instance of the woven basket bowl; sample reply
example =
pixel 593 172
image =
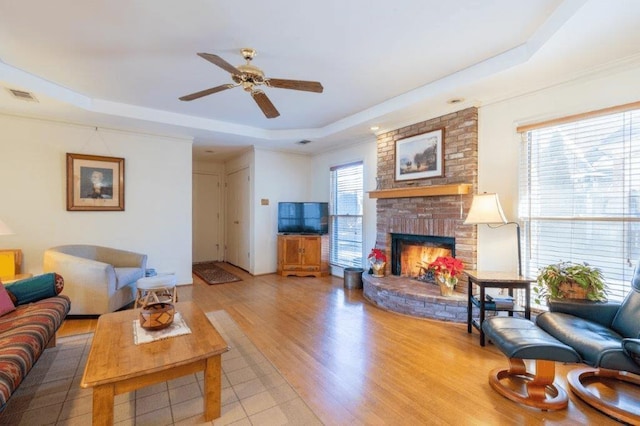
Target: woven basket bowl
pixel 156 316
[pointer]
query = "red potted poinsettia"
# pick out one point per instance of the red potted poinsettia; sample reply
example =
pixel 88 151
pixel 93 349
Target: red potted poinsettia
pixel 377 255
pixel 446 269
pixel 378 261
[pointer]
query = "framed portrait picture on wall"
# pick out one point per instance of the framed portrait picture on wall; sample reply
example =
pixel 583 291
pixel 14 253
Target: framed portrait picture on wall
pixel 95 183
pixel 420 156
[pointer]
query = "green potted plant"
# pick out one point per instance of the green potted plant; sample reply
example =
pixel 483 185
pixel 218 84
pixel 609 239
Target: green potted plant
pixel 569 280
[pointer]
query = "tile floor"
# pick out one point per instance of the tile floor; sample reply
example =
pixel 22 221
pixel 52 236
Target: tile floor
pixel 253 391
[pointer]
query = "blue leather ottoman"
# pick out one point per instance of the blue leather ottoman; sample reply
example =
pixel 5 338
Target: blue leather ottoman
pixel 521 339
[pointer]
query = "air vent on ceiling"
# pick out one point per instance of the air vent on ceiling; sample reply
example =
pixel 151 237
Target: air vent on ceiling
pixel 303 142
pixel 22 95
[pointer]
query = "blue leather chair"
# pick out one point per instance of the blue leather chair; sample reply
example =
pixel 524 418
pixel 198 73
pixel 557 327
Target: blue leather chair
pixel 606 336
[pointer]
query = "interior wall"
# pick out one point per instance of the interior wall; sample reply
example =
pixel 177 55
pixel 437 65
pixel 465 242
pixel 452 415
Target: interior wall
pixel 499 145
pixel 498 153
pixel 320 186
pixel 157 215
pixel 278 177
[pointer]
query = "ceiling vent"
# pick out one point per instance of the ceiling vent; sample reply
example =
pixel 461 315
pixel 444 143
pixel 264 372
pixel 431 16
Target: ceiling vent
pixel 22 95
pixel 303 142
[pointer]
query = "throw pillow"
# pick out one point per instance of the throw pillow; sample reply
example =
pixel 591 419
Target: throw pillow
pixel 6 305
pixel 36 288
pixel 59 283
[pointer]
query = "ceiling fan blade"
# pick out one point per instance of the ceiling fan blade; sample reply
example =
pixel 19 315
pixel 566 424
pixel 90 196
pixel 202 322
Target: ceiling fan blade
pixel 217 60
pixel 265 104
pixel 206 92
pixel 307 86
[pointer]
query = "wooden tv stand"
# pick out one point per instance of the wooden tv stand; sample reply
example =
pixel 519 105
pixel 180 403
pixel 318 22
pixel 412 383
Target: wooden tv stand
pixel 303 255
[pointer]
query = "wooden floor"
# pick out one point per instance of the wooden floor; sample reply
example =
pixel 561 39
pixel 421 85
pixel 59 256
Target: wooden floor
pixel 356 364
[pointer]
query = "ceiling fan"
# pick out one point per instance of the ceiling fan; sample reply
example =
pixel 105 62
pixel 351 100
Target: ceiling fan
pixel 250 77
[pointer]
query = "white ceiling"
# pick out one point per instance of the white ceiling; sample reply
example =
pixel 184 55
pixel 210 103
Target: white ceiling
pixel 123 64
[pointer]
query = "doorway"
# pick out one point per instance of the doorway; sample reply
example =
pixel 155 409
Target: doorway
pixel 238 226
pixel 206 241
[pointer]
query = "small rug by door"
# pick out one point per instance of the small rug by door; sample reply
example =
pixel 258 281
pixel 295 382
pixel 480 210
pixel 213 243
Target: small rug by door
pixel 211 273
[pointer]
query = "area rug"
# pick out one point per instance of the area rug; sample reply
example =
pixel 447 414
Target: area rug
pixel 253 390
pixel 211 273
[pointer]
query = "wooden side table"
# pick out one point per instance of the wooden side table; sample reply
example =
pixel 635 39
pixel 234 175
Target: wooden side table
pixel 486 280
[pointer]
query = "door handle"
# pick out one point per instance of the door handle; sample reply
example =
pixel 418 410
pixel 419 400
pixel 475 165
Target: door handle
pixel 236 222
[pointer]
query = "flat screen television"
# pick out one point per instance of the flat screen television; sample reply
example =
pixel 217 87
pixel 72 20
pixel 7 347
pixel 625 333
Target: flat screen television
pixel 303 218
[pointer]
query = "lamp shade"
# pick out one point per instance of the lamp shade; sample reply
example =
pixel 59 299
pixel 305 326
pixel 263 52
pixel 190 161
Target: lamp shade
pixel 4 229
pixel 485 208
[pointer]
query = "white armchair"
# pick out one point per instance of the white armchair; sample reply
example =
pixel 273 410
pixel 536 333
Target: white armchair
pixel 96 279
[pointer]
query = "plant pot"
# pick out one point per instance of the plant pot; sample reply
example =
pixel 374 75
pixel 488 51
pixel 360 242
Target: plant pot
pixel 445 290
pixel 378 269
pixel 573 291
pixel 447 285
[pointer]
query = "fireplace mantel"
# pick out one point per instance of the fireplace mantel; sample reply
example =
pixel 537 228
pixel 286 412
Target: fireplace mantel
pixel 422 191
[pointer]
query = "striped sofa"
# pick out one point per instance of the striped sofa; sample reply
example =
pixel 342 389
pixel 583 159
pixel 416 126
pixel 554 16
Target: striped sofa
pixel 24 335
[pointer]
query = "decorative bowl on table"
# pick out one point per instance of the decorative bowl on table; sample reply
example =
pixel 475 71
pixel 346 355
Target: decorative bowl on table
pixel 156 316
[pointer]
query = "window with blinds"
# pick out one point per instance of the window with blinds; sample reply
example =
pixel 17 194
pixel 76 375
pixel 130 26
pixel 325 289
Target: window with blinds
pixel 345 214
pixel 580 195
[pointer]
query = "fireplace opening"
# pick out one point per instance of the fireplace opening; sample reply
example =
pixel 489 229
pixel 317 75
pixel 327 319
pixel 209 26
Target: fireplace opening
pixel 411 254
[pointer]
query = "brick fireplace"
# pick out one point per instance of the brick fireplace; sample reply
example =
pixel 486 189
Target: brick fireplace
pixel 438 215
pixel 422 209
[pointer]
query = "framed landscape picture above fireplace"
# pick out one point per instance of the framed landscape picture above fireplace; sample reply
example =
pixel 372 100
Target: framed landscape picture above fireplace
pixel 420 156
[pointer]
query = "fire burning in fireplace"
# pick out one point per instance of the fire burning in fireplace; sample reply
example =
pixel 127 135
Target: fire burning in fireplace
pixel 411 254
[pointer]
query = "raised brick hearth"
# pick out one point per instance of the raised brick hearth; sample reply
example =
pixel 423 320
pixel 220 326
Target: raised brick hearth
pixel 441 215
pixel 414 298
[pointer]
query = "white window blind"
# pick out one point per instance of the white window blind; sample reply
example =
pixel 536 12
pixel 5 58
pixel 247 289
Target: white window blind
pixel 345 208
pixel 580 196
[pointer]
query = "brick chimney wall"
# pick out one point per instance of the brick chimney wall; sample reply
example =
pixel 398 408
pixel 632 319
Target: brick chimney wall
pixel 437 215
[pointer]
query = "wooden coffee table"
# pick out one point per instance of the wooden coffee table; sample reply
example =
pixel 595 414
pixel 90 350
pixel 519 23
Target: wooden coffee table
pixel 117 365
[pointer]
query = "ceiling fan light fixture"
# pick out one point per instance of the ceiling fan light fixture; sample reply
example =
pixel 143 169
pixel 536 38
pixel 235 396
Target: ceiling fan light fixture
pixel 252 70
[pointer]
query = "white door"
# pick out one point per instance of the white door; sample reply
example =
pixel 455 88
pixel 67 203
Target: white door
pixel 206 243
pixel 238 224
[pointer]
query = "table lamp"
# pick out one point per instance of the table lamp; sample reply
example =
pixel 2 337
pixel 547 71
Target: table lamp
pixel 486 209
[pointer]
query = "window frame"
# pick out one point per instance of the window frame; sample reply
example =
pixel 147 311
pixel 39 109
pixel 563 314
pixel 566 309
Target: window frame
pixel 335 216
pixel 534 213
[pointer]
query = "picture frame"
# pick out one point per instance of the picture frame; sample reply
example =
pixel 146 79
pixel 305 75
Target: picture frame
pixel 420 156
pixel 95 183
